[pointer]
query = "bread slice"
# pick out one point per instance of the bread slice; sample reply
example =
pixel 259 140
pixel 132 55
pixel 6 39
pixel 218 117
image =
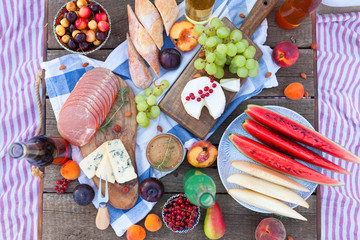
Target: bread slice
pixel 151 20
pixel 169 12
pixel 143 42
pixel 140 73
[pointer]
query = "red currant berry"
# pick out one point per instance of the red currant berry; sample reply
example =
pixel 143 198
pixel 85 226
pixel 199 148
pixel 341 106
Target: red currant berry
pixel 211 91
pixel 187 98
pixel 212 78
pixel 56 187
pixel 191 94
pixel 58 192
pixel 65 187
pixel 214 85
pixel 63 179
pixel 200 91
pixel 62 190
pixel 198 99
pixel 206 88
pixel 207 94
pixel 202 95
pixel 58 182
pixel 117 128
pixel 68 181
pixel 192 97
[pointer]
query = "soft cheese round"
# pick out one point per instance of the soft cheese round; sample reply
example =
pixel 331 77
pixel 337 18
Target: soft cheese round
pixel 215 102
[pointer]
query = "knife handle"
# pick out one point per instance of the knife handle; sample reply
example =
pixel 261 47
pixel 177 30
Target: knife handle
pixel 258 13
pixel 102 219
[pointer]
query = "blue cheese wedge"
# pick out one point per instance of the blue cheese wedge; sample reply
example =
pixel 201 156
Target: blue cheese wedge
pixel 105 170
pixel 90 164
pixel 120 161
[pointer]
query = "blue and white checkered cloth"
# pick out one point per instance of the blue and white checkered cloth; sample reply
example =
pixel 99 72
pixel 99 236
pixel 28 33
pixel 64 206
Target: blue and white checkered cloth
pixel 60 83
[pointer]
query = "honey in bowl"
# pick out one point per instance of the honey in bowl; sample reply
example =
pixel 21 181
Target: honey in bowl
pixel 165 152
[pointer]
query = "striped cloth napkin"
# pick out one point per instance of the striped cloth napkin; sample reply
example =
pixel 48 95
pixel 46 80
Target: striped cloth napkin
pixel 60 83
pixel 338 39
pixel 21 45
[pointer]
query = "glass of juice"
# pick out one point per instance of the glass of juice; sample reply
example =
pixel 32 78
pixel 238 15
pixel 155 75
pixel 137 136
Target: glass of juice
pixel 165 152
pixel 198 11
pixel 292 12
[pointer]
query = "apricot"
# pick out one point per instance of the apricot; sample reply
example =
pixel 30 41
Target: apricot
pixel 270 229
pixel 70 170
pixel 135 232
pixel 294 91
pixel 153 223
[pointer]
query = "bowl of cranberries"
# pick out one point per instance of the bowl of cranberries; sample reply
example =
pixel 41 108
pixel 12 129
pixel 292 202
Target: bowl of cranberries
pixel 82 26
pixel 179 214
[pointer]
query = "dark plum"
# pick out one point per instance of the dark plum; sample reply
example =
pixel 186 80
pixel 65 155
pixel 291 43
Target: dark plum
pixel 71 16
pixel 95 8
pixel 84 46
pixel 67 31
pixel 72 44
pixel 72 28
pixel 83 194
pixel 80 37
pixel 100 36
pixel 151 189
pixel 170 58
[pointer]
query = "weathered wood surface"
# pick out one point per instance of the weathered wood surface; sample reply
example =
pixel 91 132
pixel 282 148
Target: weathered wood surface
pixel 64 219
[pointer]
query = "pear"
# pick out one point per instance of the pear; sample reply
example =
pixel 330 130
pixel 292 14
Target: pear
pixel 214 225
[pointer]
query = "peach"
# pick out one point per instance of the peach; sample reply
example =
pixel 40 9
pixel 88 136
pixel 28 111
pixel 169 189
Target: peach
pixel 183 35
pixel 294 91
pixel 70 170
pixel 270 229
pixel 153 222
pixel 202 154
pixel 285 54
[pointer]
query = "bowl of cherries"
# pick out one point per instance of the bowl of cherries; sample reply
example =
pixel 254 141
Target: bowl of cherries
pixel 82 26
pixel 179 214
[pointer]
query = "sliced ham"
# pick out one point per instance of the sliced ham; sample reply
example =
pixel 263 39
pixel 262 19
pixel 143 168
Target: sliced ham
pixel 87 106
pixel 140 73
pixel 151 20
pixel 143 42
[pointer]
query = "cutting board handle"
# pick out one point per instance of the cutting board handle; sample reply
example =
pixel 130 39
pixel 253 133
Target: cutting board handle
pixel 258 13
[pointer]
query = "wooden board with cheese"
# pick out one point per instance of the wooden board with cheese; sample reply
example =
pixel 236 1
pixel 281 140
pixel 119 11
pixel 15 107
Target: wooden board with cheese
pixel 172 105
pixel 122 195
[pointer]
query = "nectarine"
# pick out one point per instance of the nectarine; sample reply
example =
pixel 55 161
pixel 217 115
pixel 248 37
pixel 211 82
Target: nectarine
pixel 202 154
pixel 285 54
pixel 270 229
pixel 183 35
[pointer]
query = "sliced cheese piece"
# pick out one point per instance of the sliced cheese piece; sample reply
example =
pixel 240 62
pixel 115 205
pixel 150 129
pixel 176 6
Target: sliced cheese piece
pixel 120 161
pixel 230 84
pixel 90 164
pixel 105 170
pixel 215 102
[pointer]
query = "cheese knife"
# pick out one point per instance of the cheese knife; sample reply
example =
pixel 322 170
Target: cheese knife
pixel 102 219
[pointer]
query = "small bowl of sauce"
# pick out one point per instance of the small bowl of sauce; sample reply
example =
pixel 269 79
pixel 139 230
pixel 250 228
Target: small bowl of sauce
pixel 165 152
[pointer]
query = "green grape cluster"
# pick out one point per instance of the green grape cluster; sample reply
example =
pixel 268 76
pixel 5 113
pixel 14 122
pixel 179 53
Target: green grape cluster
pixel 225 47
pixel 146 105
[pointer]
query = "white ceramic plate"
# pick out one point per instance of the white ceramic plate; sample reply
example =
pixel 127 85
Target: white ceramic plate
pixel 228 153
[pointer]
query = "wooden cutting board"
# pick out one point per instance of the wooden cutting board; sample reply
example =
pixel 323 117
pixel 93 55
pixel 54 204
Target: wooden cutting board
pixel 171 104
pixel 117 198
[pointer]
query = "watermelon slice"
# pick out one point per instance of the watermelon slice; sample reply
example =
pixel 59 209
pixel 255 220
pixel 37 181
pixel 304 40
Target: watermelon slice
pixel 279 162
pixel 289 147
pixel 298 132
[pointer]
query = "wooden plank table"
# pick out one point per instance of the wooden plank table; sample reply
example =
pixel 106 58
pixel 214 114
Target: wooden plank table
pixel 61 218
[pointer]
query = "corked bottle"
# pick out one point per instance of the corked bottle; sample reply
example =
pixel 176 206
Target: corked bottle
pixel 41 151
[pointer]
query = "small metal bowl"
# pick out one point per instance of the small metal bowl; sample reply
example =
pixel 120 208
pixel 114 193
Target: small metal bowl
pixel 58 38
pixel 182 155
pixel 185 230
